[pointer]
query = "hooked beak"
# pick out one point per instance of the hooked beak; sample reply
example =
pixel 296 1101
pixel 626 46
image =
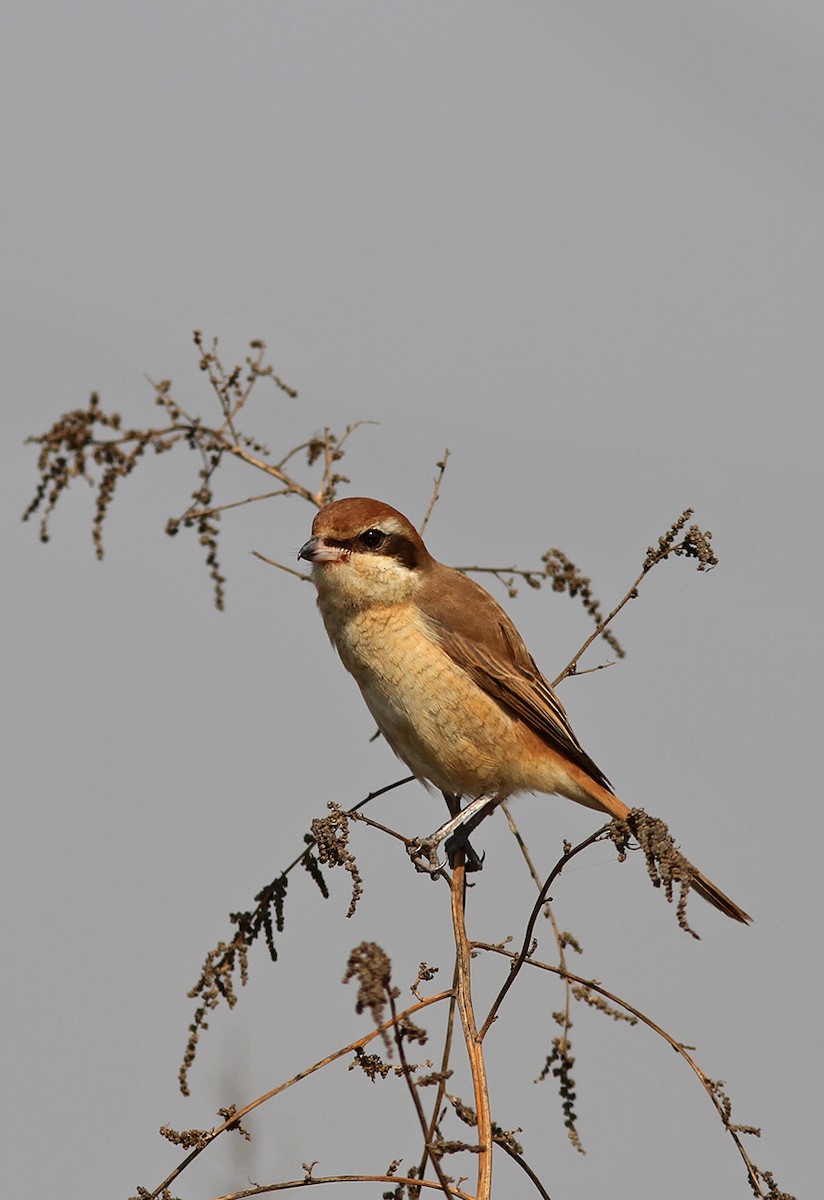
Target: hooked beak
pixel 317 551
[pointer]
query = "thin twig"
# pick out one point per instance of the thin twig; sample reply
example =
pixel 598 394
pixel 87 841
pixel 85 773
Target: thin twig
pixel 311 1180
pixel 408 842
pixel 521 958
pixel 190 425
pixel 324 1062
pixel 447 1050
pixel 195 513
pixel 572 666
pixel 280 566
pixel 220 964
pixel 526 1168
pixel 522 846
pixel 435 490
pixel 292 485
pixel 350 429
pixel 592 670
pixel 666 546
pixel 389 787
pixel 256 373
pixel 413 1090
pixel 549 914
pixel 678 1047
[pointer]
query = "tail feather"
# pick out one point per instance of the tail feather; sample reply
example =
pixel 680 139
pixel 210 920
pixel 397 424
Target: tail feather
pixel 591 793
pixel 714 896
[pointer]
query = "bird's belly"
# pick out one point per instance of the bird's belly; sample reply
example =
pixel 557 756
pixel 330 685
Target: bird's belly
pixel 436 719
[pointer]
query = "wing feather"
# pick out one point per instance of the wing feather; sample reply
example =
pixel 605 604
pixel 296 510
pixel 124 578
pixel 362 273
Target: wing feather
pixel 492 652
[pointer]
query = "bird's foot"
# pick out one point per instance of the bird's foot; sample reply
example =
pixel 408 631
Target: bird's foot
pixel 473 861
pixel 424 855
pixel 455 833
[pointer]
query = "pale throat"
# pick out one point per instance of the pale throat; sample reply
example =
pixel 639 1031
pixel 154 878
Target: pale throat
pixel 363 581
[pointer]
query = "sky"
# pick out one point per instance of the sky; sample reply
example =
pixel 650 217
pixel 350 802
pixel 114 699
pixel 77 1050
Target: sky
pixel 582 247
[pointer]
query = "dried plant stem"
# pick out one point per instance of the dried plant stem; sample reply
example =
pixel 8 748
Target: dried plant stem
pixel 474 1047
pixel 527 960
pixel 548 913
pixel 550 916
pixel 436 487
pixel 522 957
pixel 282 567
pixel 527 1170
pixel 695 545
pixel 292 486
pixel 324 1062
pixel 221 508
pixel 572 666
pixel 524 849
pixel 312 1180
pixel 441 1090
pixel 413 1091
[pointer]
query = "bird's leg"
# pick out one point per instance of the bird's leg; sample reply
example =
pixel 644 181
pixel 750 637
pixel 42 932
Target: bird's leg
pixel 424 851
pixel 470 818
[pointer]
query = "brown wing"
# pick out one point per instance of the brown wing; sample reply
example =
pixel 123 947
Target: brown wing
pixel 492 652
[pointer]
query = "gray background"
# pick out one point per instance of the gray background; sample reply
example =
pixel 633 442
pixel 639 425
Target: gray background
pixel 579 244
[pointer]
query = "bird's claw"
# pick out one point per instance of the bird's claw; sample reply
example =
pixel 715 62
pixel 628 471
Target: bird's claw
pixel 424 855
pixel 459 841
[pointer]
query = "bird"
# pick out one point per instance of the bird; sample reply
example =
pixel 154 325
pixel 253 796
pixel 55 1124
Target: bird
pixel 444 672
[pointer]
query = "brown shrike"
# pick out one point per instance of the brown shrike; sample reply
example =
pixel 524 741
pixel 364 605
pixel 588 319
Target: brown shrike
pixel 445 673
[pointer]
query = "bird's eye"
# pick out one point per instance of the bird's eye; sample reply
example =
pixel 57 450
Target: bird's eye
pixel 372 538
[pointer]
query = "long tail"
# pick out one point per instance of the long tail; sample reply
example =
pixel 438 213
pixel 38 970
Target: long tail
pixel 714 896
pixel 591 793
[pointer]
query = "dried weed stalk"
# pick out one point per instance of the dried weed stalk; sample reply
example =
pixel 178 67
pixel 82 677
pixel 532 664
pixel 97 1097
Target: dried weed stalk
pixel 95 446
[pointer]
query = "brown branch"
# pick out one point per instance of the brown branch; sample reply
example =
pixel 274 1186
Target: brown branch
pixel 520 959
pixel 331 449
pixel 228 959
pixel 237 1116
pixel 572 666
pixel 531 576
pixel 75 448
pixel 292 486
pixel 695 544
pixel 564 1018
pixel 281 567
pixel 441 1089
pixel 710 1087
pixel 524 849
pixel 413 1091
pixel 526 1168
pixel 474 1043
pixel 435 491
pixel 197 513
pixel 311 1180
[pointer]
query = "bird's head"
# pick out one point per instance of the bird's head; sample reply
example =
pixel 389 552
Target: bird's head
pixel 364 552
